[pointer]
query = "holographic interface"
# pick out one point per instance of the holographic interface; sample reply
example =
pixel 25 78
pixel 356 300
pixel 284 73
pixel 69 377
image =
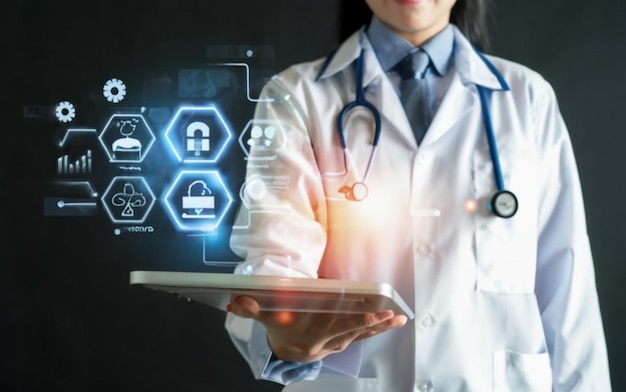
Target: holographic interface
pixel 161 156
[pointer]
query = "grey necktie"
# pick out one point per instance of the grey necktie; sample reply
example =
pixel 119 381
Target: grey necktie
pixel 414 91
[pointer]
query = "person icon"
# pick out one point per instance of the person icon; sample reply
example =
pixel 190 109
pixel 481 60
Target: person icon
pixel 127 147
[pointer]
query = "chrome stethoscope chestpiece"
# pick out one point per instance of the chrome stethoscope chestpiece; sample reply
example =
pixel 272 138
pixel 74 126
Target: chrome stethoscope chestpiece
pixel 504 204
pixel 358 191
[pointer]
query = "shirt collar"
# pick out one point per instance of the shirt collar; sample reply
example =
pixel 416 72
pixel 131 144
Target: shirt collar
pixel 468 63
pixel 390 48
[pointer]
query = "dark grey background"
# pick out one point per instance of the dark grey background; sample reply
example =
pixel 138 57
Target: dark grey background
pixel 69 321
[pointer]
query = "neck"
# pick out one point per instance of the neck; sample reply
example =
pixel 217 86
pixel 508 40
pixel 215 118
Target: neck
pixel 418 37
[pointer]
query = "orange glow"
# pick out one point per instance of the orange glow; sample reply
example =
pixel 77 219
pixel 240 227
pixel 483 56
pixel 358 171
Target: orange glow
pixel 285 318
pixel 360 215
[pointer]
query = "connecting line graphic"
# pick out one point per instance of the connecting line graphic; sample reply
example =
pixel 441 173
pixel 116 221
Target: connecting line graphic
pixel 212 263
pixel 75 130
pixel 85 185
pixel 62 204
pixel 247 82
pixel 268 210
pixel 78 199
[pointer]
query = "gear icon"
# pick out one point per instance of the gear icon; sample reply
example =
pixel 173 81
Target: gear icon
pixel 65 111
pixel 114 90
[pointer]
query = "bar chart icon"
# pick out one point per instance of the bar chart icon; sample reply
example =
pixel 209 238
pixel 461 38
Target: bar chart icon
pixel 77 167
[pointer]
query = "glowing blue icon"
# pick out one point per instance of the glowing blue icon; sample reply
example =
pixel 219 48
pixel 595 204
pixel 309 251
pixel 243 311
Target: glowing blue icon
pixel 128 199
pixel 197 200
pixel 127 138
pixel 114 90
pixel 65 111
pixel 198 134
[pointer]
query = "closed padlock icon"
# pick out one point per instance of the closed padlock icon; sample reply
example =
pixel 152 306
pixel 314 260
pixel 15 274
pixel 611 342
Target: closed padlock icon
pixel 198 137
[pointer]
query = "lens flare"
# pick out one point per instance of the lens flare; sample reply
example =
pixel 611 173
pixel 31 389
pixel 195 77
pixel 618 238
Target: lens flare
pixel 471 205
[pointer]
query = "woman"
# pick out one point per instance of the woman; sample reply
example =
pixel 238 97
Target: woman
pixel 503 289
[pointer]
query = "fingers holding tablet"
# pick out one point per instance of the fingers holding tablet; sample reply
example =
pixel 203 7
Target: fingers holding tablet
pixel 310 336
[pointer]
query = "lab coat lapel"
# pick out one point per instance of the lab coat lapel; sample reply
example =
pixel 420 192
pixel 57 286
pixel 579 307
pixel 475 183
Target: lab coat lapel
pixel 461 99
pixel 458 102
pixel 383 95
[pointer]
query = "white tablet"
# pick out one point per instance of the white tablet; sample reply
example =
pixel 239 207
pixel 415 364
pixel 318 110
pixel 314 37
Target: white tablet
pixel 277 293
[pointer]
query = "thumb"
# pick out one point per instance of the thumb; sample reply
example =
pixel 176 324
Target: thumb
pixel 244 306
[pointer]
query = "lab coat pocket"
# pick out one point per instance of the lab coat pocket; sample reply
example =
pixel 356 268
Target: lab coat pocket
pixel 504 259
pixel 519 372
pixel 506 248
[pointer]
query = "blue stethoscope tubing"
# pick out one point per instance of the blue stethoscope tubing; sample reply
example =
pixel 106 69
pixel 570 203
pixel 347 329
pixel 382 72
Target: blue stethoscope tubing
pixel 503 203
pixel 358 191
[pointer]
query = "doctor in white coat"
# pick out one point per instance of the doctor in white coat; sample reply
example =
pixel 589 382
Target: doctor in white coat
pixel 501 303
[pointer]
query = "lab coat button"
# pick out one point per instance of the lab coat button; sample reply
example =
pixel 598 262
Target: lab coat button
pixel 423 249
pixel 427 321
pixel 421 157
pixel 425 386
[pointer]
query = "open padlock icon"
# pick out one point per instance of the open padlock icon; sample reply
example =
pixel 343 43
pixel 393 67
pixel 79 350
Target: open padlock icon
pixel 199 202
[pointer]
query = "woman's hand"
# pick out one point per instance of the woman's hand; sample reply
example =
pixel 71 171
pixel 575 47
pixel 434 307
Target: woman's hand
pixel 310 336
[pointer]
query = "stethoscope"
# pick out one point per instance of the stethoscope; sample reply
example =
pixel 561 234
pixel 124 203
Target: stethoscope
pixel 503 203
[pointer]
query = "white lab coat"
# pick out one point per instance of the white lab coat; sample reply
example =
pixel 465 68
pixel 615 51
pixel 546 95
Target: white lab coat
pixel 501 304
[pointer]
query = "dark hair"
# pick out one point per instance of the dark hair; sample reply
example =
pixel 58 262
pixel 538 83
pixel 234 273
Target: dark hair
pixel 472 18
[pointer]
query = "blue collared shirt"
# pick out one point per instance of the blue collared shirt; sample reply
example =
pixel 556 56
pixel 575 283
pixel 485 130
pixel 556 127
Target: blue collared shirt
pixel 390 48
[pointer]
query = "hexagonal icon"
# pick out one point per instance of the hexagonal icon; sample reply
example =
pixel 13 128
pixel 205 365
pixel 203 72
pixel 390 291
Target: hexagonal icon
pixel 128 199
pixel 197 200
pixel 262 139
pixel 198 134
pixel 127 138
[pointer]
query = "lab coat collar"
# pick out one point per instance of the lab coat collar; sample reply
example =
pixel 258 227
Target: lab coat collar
pixel 472 66
pixel 343 56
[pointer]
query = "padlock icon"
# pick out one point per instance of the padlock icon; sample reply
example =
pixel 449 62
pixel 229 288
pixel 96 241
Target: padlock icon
pixel 198 134
pixel 199 202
